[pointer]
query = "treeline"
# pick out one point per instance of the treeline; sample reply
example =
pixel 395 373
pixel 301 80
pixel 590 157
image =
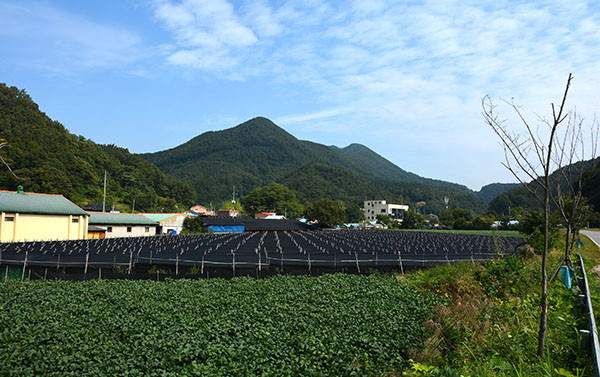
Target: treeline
pixel 46 158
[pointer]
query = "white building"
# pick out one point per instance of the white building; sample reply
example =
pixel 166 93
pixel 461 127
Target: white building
pixel 169 223
pixel 373 208
pixel 123 225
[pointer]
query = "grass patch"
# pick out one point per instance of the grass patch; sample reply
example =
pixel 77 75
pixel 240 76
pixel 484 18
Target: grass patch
pixel 506 233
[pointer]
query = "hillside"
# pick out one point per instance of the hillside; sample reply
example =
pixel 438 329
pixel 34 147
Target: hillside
pixel 489 192
pixel 520 197
pixel 591 186
pixel 258 152
pixel 49 159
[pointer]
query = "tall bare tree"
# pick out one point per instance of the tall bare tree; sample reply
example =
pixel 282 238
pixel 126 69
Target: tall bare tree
pixel 570 156
pixel 528 156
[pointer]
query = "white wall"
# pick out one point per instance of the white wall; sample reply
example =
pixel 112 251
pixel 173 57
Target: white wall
pixel 121 230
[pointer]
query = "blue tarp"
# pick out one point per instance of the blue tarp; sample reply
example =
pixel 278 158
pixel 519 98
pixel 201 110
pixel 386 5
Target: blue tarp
pixel 226 228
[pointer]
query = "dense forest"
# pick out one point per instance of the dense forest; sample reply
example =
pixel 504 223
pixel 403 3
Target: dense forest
pixel 521 197
pixel 258 152
pixel 489 192
pixel 47 158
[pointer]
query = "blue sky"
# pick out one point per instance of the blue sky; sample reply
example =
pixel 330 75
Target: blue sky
pixel 403 78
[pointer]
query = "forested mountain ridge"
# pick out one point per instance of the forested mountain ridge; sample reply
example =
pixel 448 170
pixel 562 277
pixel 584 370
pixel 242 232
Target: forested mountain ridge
pixel 489 192
pixel 520 197
pixel 258 152
pixel 49 159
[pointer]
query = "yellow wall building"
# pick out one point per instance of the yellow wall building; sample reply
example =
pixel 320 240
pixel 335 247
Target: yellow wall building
pixel 40 217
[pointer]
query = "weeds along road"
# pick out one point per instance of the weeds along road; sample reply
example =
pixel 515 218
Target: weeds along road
pixel 594 235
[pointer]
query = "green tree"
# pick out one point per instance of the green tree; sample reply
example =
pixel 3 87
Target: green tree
pixel 354 213
pixel 327 212
pixel 456 216
pixel 273 197
pixel 192 225
pixel 411 220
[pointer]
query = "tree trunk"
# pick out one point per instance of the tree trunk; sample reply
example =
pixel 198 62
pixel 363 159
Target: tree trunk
pixel 544 298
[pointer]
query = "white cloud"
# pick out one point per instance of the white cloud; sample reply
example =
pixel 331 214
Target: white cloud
pixel 300 118
pixel 206 32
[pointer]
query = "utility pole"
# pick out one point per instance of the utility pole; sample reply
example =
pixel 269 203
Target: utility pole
pixel 233 201
pixel 104 196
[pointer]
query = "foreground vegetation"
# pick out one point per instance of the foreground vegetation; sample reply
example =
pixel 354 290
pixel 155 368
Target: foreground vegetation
pixel 489 325
pixel 283 326
pixel 457 320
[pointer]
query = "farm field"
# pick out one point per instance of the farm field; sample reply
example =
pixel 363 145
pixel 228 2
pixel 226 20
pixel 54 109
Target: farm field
pixel 257 253
pixel 332 325
pixel 496 233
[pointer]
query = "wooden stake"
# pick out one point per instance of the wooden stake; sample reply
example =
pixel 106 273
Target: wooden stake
pixel 150 256
pixel 233 264
pixel 130 260
pixel 114 261
pixel 45 273
pixel 309 265
pixel 334 259
pixel 24 264
pixel 29 277
pixel 259 263
pixel 202 268
pixel 6 274
pixel 400 263
pixel 87 257
pixel 58 264
pixel 100 273
pixel 177 264
pixel 357 265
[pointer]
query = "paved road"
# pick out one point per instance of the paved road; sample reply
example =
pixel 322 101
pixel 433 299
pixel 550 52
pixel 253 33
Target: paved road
pixel 594 235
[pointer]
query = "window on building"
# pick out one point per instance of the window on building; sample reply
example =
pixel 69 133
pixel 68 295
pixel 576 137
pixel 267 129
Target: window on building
pixel 109 229
pixel 74 220
pixel 147 229
pixel 9 218
pixel 383 210
pixel 128 229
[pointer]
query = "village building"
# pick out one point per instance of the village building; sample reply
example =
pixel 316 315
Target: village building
pixel 372 208
pixel 40 217
pixel 168 223
pixel 123 224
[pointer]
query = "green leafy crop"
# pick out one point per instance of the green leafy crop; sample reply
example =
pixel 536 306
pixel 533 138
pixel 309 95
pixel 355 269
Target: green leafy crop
pixel 333 325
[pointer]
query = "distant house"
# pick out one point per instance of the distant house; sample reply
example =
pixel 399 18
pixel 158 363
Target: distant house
pixel 40 217
pixel 226 224
pixel 123 224
pixel 263 215
pixel 95 232
pixel 168 223
pixel 372 208
pixel 201 210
